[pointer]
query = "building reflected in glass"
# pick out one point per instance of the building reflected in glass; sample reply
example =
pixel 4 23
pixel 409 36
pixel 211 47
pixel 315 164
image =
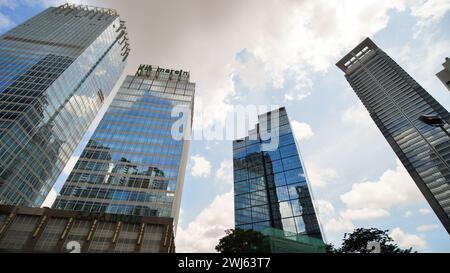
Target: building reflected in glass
pixel 398 104
pixel 55 71
pixel 132 165
pixel 270 187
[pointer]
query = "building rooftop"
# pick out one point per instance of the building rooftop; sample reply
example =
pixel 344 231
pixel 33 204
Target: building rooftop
pixel 108 11
pixel 358 52
pixel 146 69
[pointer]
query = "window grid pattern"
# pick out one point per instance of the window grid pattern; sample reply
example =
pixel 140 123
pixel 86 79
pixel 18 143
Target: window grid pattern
pixel 18 232
pixel 127 238
pixel 51 234
pixel 102 237
pixel 130 165
pixel 153 236
pixel 270 187
pixel 44 230
pixel 51 70
pixel 78 232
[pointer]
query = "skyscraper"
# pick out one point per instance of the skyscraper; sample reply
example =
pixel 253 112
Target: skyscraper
pixel 444 74
pixel 132 164
pixel 55 71
pixel 271 186
pixel 413 122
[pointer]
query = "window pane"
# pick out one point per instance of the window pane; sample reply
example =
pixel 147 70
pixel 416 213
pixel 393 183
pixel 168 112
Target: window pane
pixel 289 150
pixel 291 162
pixel 294 176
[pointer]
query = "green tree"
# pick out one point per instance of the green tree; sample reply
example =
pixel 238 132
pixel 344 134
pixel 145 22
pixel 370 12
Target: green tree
pixel 242 241
pixel 356 242
pixel 329 248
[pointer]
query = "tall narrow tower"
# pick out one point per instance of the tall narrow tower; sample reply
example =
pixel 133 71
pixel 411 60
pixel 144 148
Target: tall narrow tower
pixel 271 189
pixel 413 122
pixel 56 69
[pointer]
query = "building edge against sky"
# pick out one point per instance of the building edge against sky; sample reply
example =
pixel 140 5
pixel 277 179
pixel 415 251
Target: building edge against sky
pixel 55 76
pixel 444 74
pixel 132 164
pixel 271 187
pixel 397 104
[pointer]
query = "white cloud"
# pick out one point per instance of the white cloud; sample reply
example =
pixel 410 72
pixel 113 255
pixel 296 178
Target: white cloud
pixel 339 225
pixel 425 228
pixel 432 49
pixel 201 166
pixel 320 176
pixel 203 234
pixel 424 211
pixel 301 130
pixel 405 240
pixel 324 208
pixel 358 115
pixel 5 22
pixel 307 36
pixel 252 73
pixel 394 187
pixel 408 214
pixel 225 172
pixel 50 199
pixel 291 96
pixel 429 12
pixel 364 214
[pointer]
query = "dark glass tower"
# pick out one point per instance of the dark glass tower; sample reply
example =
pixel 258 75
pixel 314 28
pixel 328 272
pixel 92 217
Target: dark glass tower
pixel 55 71
pixel 398 104
pixel 271 187
pixel 132 164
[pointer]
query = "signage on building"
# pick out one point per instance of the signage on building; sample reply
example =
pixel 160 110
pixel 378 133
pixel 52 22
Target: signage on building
pixel 145 70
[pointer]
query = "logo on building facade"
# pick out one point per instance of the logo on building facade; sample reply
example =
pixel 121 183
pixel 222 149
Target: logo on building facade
pixel 146 70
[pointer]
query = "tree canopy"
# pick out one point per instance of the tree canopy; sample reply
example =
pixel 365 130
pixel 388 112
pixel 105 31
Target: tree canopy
pixel 356 242
pixel 242 241
pixel 250 241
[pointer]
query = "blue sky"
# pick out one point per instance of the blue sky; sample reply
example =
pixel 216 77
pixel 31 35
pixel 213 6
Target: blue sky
pixel 283 53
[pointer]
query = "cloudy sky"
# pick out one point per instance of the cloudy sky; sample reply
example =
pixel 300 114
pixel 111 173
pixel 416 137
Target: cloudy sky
pixel 283 53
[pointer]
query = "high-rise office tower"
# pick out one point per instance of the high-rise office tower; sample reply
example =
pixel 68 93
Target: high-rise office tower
pixel 444 74
pixel 271 187
pixel 56 69
pixel 413 122
pixel 132 164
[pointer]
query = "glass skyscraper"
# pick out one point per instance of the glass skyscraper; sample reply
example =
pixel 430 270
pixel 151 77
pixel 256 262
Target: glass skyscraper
pixel 132 164
pixel 271 187
pixel 398 105
pixel 56 69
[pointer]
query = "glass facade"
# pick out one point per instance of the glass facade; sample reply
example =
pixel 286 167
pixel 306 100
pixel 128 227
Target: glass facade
pixel 55 71
pixel 395 102
pixel 132 165
pixel 270 187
